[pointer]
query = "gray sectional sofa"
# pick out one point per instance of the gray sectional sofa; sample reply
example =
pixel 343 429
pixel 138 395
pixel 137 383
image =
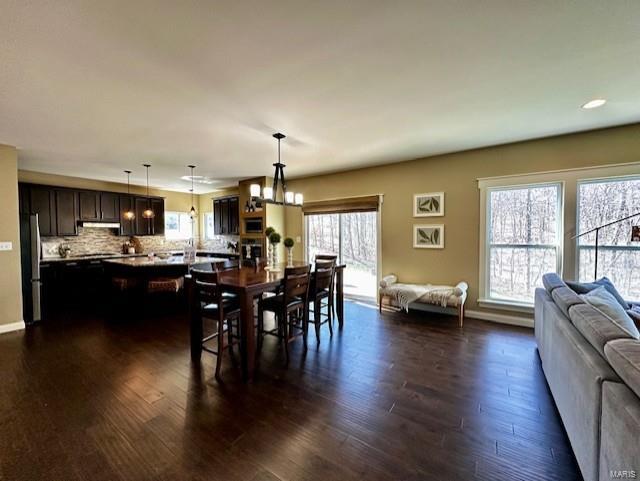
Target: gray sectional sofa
pixel 591 360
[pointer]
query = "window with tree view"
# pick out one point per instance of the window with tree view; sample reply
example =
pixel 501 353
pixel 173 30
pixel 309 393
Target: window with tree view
pixel 601 202
pixel 523 240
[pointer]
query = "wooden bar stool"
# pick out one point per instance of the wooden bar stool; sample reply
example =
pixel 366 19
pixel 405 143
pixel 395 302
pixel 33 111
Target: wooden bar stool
pixel 206 301
pixel 291 308
pixel 321 288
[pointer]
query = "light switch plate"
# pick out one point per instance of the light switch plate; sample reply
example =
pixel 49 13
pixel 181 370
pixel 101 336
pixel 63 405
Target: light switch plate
pixel 6 246
pixel 298 239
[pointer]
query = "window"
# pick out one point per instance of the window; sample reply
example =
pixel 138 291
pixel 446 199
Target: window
pixel 524 238
pixel 353 237
pixel 600 202
pixel 177 225
pixel 208 225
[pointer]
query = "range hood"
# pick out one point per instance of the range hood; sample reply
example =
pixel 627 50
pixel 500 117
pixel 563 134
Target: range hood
pixel 102 225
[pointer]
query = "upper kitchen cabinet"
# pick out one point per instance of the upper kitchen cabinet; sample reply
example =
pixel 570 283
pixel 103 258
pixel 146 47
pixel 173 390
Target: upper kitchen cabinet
pixel 99 206
pixel 127 226
pixel 109 207
pixel 158 219
pixel 42 202
pixel 226 216
pixel 66 212
pixel 154 226
pixel 89 205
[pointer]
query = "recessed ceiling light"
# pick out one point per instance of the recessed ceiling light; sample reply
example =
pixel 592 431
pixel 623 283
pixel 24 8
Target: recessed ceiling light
pixel 198 179
pixel 595 103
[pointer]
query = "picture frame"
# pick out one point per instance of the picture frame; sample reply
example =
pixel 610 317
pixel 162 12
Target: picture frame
pixel 430 204
pixel 428 236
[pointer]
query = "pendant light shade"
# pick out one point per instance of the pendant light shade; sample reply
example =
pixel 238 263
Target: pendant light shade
pixel 193 213
pixel 128 214
pixel 148 212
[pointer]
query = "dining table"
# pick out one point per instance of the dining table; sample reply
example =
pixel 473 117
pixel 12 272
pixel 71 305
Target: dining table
pixel 249 283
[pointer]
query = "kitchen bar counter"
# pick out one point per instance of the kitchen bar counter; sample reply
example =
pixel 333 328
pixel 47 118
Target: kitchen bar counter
pixel 106 256
pixel 146 261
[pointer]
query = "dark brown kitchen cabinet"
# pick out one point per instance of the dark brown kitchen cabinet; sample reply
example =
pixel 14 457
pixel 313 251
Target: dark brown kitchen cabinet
pixel 234 216
pixel 66 212
pixel 142 225
pixel 157 225
pixel 153 226
pixel 217 217
pixel 109 207
pixel 127 226
pixel 226 216
pixel 89 205
pixel 42 202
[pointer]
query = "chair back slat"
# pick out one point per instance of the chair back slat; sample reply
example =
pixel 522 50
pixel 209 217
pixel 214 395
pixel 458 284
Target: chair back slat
pixel 296 282
pixel 327 257
pixel 205 285
pixel 324 274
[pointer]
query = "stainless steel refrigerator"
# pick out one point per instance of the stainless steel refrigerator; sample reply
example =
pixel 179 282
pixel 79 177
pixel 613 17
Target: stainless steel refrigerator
pixel 31 254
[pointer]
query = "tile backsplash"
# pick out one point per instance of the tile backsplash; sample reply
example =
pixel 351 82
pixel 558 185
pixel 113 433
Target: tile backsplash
pixel 92 240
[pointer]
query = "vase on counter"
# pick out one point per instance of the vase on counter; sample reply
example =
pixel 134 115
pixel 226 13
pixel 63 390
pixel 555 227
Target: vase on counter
pixel 274 257
pixel 269 254
pixel 289 256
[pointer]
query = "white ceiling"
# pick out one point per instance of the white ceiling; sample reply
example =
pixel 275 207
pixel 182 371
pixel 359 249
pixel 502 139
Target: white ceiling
pixel 91 88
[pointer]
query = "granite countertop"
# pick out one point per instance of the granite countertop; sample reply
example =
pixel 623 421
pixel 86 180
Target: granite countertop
pixel 155 261
pixel 114 255
pixel 94 257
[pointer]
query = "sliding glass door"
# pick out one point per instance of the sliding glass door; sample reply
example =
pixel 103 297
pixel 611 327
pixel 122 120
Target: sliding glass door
pixel 352 236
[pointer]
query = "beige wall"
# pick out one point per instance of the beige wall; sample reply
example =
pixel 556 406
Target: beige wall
pixel 456 175
pixel 10 276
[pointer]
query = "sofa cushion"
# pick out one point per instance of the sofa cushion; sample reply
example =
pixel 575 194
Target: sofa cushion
pixel 565 298
pixel 552 281
pixel 624 357
pixel 596 327
pixel 585 287
pixel 606 303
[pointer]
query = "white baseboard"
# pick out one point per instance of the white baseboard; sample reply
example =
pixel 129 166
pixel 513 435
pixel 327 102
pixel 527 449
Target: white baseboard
pixel 14 326
pixel 500 318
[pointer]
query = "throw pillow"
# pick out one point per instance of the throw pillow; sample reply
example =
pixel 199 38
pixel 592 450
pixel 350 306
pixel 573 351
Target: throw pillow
pixel 585 287
pixel 634 313
pixel 608 305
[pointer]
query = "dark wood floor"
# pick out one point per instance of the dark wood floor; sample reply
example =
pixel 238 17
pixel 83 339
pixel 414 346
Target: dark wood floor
pixel 392 397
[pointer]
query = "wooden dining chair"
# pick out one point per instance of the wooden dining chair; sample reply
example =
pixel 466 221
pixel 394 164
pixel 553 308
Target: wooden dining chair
pixel 207 301
pixel 291 308
pixel 334 258
pixel 321 288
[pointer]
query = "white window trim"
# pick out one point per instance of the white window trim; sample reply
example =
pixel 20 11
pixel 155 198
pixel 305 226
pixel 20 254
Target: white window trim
pixel 571 178
pixel 595 180
pixel 485 299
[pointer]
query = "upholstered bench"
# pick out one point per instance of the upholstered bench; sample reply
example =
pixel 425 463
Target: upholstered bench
pixel 427 297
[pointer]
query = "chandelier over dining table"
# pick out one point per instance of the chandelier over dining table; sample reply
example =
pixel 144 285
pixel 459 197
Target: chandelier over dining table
pixel 269 195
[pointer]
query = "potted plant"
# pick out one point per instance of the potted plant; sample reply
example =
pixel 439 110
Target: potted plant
pixel 267 232
pixel 274 240
pixel 288 243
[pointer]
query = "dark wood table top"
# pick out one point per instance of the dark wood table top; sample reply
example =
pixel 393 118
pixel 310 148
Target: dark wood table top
pixel 250 278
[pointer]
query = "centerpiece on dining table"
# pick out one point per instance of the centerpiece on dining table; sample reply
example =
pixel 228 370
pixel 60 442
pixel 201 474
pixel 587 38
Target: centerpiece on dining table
pixel 274 239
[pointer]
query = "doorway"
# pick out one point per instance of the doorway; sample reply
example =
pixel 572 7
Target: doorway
pixel 353 237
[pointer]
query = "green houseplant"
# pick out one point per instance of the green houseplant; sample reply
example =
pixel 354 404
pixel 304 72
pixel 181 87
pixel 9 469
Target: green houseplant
pixel 288 243
pixel 274 240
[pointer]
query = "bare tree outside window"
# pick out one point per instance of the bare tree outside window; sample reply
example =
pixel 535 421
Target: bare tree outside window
pixel 600 202
pixel 523 239
pixel 352 236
